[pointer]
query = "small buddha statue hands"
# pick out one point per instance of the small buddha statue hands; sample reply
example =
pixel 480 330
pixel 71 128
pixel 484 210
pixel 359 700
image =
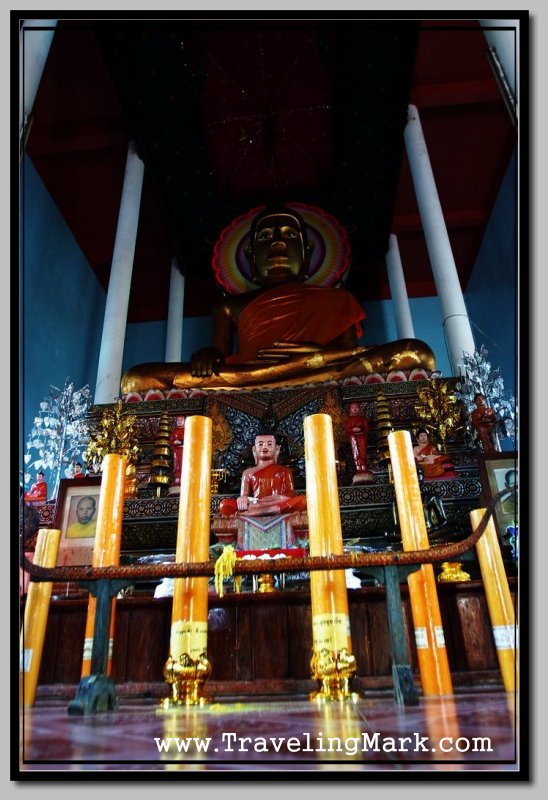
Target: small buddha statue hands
pixel 288 333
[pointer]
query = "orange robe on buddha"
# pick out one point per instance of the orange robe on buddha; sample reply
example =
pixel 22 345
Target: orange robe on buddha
pixel 358 440
pixel 438 466
pixel 275 479
pixel 37 493
pixel 295 312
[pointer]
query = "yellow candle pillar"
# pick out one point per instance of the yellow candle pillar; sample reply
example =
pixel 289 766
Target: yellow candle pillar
pixel 332 661
pixel 499 599
pixel 36 616
pixel 425 610
pixel 187 666
pixel 106 550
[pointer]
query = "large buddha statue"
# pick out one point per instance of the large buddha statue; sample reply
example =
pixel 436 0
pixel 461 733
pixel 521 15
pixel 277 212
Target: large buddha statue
pixel 288 333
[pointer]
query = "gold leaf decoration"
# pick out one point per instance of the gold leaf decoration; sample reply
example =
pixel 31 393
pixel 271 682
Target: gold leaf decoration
pixel 439 411
pixel 332 407
pixel 115 432
pixel 222 434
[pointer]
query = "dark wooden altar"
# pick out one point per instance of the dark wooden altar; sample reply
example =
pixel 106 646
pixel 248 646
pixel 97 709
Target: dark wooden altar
pixel 150 518
pixel 261 643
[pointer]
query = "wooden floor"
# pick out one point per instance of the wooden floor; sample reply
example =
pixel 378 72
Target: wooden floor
pixel 260 717
pixel 468 732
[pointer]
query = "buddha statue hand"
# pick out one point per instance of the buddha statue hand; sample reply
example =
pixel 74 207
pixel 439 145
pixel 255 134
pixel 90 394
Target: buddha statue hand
pixel 282 351
pixel 243 502
pixel 206 362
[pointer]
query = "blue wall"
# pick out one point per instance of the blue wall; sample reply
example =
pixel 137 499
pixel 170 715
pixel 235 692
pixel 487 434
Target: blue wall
pixel 146 341
pixel 491 295
pixel 62 304
pixel 380 326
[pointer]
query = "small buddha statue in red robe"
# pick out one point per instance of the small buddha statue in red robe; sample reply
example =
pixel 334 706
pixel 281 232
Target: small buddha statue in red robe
pixel 38 492
pixel 267 488
pixel 357 428
pixel 484 420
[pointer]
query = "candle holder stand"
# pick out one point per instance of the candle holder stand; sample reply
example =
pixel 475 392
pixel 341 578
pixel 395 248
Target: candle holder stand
pixel 186 677
pixel 334 670
pixel 96 691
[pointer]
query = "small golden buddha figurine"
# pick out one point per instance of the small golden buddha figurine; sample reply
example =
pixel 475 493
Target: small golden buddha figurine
pixel 288 333
pixel 452 572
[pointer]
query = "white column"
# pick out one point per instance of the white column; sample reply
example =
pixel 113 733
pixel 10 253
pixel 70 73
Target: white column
pixel 505 44
pixel 174 334
pixel 109 371
pixel 398 290
pixel 456 325
pixel 34 47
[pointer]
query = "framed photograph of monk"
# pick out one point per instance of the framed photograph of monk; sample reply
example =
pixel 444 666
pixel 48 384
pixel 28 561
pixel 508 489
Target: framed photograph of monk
pixel 76 518
pixel 499 471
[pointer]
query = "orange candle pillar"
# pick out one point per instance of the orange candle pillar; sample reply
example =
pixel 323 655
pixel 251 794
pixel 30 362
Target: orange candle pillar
pixel 499 599
pixel 106 550
pixel 332 661
pixel 187 667
pixel 425 610
pixel 36 617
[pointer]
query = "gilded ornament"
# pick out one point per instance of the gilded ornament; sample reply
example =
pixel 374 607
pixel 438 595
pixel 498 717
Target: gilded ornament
pixel 439 411
pixel 317 360
pixel 221 432
pixel 115 433
pixel 333 408
pixel 334 671
pixel 452 572
pixel 186 677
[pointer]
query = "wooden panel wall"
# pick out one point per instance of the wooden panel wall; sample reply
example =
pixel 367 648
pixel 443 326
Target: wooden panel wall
pixel 267 637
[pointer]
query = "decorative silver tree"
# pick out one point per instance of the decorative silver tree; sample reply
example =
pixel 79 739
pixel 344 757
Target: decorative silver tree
pixel 59 433
pixel 480 376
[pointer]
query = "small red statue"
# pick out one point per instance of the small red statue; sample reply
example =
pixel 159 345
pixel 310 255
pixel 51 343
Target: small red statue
pixel 38 492
pixel 433 463
pixel 267 488
pixel 484 420
pixel 357 428
pixel 176 440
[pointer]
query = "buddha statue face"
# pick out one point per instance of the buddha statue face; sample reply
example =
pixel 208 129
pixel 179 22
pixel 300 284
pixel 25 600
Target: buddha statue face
pixel 265 448
pixel 278 250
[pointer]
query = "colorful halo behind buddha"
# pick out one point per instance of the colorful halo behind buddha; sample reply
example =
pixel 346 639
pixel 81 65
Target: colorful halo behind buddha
pixel 329 262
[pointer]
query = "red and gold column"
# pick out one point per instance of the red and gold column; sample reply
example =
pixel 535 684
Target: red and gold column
pixel 36 617
pixel 106 550
pixel 429 637
pixel 187 667
pixel 499 599
pixel 332 661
